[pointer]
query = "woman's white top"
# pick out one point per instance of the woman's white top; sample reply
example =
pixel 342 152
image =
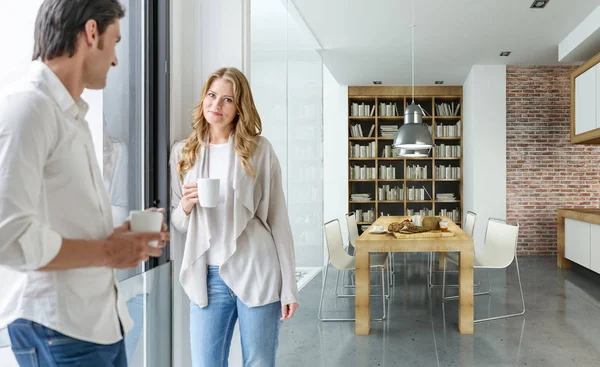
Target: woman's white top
pixel 218 167
pixel 260 265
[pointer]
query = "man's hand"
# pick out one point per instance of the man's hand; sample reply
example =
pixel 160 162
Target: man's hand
pixel 125 249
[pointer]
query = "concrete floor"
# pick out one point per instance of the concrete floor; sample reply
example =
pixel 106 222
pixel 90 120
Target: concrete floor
pixel 560 328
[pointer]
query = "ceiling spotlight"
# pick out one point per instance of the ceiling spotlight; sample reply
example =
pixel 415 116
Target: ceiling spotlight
pixel 505 53
pixel 377 82
pixel 439 82
pixel 539 4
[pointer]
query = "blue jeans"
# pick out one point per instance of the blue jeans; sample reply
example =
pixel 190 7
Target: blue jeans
pixel 36 345
pixel 211 327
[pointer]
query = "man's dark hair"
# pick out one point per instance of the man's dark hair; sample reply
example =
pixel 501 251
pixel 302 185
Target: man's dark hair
pixel 59 23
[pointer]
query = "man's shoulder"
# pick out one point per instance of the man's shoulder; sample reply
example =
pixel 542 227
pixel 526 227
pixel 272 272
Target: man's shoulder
pixel 27 93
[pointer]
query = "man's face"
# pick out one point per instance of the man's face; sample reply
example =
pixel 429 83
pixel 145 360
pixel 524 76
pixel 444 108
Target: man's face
pixel 101 57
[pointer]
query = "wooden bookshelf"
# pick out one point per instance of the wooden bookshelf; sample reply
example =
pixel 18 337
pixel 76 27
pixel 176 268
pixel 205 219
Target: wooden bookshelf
pixel 399 98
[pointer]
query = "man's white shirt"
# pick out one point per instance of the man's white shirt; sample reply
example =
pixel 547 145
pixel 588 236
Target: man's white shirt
pixel 51 188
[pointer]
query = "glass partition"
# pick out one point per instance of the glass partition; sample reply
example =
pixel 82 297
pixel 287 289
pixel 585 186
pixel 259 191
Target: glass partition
pixel 287 82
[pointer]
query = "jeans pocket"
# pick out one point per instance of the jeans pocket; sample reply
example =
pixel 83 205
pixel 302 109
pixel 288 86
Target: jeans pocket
pixel 26 357
pixel 56 338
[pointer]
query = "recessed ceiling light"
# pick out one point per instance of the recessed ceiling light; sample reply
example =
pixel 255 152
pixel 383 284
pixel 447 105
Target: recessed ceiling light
pixel 376 81
pixel 505 53
pixel 439 82
pixel 539 4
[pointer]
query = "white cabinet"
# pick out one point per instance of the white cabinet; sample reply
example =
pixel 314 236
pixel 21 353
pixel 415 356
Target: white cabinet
pixel 577 241
pixel 595 248
pixel 586 103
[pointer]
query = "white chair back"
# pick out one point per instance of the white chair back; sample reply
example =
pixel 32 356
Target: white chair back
pixel 335 245
pixel 469 225
pixel 500 244
pixel 352 228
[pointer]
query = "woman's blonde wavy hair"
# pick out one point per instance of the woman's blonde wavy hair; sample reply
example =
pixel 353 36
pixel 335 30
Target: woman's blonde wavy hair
pixel 246 125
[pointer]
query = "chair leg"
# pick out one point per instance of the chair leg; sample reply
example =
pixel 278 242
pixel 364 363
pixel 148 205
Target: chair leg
pixel 453 271
pixel 337 281
pixel 444 280
pixel 323 296
pixel 383 296
pixel 489 291
pixel 522 300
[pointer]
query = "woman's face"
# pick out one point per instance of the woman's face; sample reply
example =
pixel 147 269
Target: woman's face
pixel 219 105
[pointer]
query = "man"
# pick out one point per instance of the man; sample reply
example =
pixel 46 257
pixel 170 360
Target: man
pixel 58 250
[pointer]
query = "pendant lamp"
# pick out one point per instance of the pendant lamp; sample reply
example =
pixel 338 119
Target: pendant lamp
pixel 413 139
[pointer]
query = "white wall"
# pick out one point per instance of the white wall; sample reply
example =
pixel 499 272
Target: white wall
pixel 335 149
pixel 484 160
pixel 205 35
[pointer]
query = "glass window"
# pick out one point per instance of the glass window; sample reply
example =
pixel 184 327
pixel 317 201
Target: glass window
pixel 123 121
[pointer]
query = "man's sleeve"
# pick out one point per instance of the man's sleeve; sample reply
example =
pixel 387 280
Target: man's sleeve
pixel 27 136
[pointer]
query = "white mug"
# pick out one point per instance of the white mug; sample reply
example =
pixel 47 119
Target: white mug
pixel 146 221
pixel 416 220
pixel 208 192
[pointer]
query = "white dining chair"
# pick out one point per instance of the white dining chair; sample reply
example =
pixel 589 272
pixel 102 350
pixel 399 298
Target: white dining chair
pixel 353 235
pixel 468 227
pixel 499 251
pixel 340 260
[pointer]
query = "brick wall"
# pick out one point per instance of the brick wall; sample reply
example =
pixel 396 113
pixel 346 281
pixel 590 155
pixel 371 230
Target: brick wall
pixel 544 171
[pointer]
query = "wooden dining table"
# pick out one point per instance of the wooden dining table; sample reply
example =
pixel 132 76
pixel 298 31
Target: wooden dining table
pixel 369 242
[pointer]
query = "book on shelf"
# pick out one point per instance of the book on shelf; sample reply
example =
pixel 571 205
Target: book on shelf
pixel 363 151
pixel 413 194
pixel 361 110
pixel 445 196
pixel 447 172
pixel 362 173
pixel 360 197
pixel 387 172
pixel 453 214
pixel 388 131
pixel 425 212
pixel 365 216
pixel 416 172
pixel 388 109
pixel 447 109
pixel 427 192
pixel 395 193
pixel 372 129
pixel 447 151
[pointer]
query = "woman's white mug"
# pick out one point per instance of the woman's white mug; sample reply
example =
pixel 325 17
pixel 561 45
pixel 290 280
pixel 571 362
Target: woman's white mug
pixel 208 192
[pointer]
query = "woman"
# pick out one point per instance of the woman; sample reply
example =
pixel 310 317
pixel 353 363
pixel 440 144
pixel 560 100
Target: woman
pixel 238 262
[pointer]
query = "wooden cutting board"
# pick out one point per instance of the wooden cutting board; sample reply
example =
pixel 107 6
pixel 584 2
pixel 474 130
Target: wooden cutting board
pixel 430 234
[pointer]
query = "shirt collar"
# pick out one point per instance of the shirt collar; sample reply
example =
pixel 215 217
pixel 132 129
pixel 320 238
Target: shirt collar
pixel 41 72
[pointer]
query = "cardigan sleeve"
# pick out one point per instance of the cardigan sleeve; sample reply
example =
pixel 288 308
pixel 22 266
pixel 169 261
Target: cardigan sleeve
pixel 279 222
pixel 179 219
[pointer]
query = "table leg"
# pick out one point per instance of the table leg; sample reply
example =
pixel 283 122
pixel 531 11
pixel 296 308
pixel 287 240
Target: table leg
pixel 465 292
pixel 362 304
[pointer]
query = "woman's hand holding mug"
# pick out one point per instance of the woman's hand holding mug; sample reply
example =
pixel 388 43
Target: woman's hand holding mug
pixel 190 197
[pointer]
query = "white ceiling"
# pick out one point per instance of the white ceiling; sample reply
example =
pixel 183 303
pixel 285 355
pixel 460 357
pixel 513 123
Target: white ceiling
pixel 364 40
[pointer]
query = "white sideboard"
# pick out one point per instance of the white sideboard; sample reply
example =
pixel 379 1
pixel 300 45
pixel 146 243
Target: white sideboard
pixel 579 238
